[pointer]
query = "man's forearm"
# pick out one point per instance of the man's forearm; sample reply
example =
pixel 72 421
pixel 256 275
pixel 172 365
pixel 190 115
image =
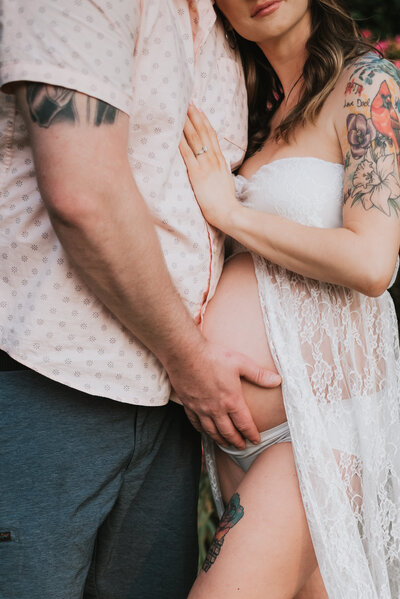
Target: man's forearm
pixel 100 217
pixel 114 246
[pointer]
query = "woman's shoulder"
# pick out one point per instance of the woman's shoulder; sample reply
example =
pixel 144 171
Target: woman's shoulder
pixel 365 69
pixel 358 81
pixel 366 82
pixel 363 74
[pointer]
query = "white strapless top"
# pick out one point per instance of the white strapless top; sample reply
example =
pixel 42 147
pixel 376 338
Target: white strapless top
pixel 302 189
pixel 305 190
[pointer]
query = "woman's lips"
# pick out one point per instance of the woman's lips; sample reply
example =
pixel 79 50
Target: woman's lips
pixel 265 9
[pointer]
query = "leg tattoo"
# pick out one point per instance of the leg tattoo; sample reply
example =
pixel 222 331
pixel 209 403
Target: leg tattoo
pixel 233 513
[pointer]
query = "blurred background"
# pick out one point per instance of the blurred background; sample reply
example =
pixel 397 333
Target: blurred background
pixel 381 17
pixel 379 21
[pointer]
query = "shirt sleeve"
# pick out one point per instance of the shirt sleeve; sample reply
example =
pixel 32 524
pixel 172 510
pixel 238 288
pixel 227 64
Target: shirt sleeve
pixel 86 45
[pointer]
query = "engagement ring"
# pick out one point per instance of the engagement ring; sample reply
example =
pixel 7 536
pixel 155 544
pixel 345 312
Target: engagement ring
pixel 202 151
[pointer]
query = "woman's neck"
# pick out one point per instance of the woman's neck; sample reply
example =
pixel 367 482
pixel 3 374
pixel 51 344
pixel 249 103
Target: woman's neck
pixel 288 53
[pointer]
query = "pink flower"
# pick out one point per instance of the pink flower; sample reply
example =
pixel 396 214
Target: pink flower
pixel 367 34
pixel 397 40
pixel 375 183
pixel 382 46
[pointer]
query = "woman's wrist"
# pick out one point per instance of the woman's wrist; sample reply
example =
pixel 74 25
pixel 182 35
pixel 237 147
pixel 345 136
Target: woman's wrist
pixel 234 220
pixel 219 214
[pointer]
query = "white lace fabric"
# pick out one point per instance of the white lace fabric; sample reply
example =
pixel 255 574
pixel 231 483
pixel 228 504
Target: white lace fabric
pixel 338 354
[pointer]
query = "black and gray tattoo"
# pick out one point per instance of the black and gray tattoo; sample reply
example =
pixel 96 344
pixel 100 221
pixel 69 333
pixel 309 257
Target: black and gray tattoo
pixel 49 104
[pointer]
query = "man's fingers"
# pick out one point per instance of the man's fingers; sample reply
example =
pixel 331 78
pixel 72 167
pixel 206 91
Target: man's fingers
pixel 211 430
pixel 222 431
pixel 256 374
pixel 194 420
pixel 243 421
pixel 228 432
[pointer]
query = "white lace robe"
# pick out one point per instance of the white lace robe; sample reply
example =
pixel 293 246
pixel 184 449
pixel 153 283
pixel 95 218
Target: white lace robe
pixel 338 353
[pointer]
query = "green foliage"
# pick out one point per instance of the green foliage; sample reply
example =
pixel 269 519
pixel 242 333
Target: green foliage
pixel 382 17
pixel 207 518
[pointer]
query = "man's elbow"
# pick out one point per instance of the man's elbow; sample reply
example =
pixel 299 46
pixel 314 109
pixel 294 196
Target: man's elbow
pixel 71 208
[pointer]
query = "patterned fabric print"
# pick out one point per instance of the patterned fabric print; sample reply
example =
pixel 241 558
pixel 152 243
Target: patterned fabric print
pixel 145 59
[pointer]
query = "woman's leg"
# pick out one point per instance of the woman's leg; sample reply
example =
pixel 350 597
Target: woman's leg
pixel 314 588
pixel 269 550
pixel 265 548
pixel 231 475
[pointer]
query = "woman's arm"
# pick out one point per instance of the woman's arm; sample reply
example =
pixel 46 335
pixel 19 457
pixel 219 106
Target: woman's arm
pixel 361 254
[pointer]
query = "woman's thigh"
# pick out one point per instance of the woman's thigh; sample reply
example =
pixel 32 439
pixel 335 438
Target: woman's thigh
pixel 234 319
pixel 265 548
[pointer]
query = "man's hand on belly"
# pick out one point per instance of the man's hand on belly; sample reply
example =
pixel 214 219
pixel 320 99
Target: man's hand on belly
pixel 207 381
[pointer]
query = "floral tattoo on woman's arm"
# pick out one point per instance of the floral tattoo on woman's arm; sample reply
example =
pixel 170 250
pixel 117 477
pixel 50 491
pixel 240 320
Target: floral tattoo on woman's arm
pixel 372 161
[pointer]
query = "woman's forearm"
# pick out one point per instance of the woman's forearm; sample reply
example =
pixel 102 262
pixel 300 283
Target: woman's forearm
pixel 339 256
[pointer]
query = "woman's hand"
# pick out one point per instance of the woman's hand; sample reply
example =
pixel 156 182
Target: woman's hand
pixel 209 174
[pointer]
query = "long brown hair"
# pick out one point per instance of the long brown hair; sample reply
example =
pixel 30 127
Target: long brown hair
pixel 334 42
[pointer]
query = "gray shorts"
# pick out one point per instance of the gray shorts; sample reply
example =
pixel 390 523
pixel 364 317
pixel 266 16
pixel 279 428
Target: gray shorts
pixel 245 457
pixel 98 498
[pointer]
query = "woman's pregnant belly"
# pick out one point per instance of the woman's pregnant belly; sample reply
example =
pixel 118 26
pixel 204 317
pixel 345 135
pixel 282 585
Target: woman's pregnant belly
pixel 234 319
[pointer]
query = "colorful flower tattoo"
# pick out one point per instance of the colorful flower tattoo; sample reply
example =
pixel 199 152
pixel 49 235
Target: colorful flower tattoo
pixel 233 513
pixel 360 134
pixel 373 133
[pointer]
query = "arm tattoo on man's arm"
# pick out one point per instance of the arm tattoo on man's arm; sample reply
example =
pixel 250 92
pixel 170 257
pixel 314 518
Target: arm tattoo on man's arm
pixel 49 104
pixel 104 113
pixel 233 513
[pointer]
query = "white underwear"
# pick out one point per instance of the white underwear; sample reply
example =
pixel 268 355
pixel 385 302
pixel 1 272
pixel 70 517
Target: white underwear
pixel 245 457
